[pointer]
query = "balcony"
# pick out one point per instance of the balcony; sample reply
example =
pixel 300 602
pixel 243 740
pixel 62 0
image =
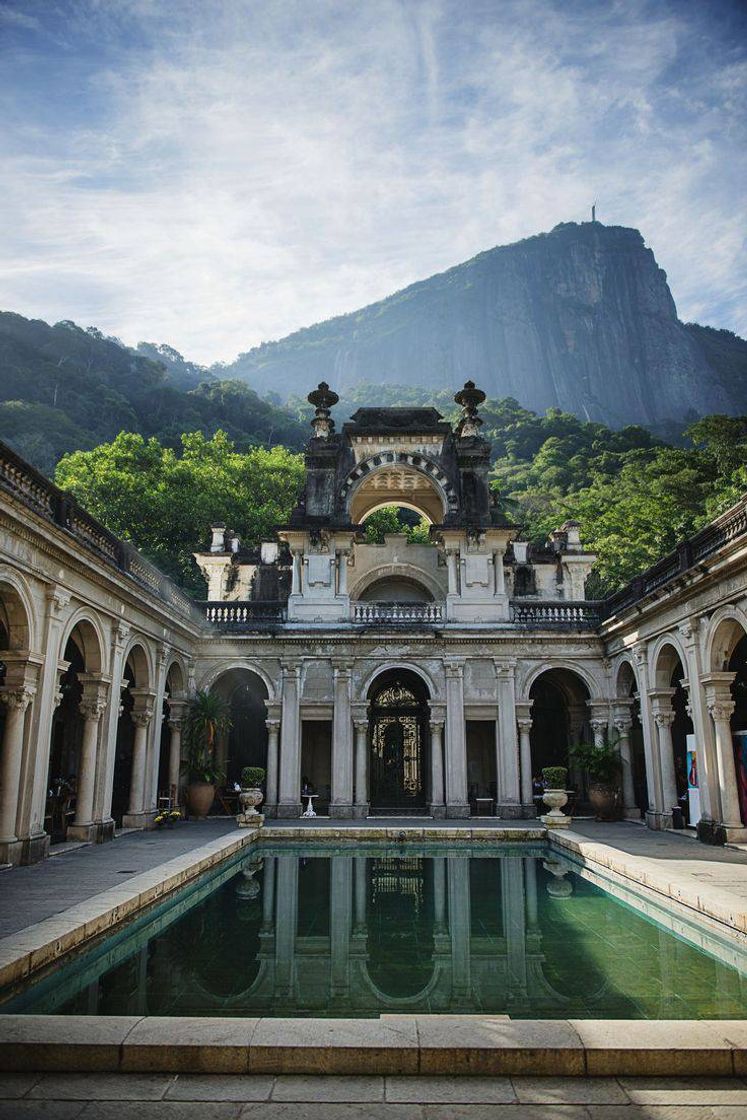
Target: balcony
pixel 567 615
pixel 254 615
pixel 398 614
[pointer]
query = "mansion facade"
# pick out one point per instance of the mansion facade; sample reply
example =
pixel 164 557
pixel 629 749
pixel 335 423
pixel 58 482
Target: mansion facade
pixel 410 677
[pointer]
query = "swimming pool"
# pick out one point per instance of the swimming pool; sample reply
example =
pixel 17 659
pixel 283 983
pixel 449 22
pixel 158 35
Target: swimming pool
pixel 360 930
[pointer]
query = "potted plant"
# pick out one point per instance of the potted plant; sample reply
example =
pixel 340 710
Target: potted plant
pixel 555 796
pixel 602 766
pixel 251 795
pixel 207 717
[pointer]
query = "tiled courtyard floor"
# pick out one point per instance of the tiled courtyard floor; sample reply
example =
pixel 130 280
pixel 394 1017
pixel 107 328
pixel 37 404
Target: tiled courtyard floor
pixel 223 1097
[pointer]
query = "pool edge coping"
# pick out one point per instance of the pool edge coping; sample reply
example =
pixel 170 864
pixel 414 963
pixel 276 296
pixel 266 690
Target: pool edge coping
pixel 390 1045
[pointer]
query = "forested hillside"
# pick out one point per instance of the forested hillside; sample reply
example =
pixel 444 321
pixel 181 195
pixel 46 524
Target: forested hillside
pixel 635 496
pixel 63 388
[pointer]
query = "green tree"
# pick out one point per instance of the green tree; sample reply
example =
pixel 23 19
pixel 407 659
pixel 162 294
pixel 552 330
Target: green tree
pixel 164 503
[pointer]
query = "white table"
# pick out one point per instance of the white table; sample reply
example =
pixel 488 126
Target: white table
pixel 310 807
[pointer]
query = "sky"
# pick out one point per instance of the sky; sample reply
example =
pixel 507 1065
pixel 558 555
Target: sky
pixel 213 174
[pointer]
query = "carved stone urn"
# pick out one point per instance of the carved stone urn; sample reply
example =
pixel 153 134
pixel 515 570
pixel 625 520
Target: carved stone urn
pixel 249 799
pixel 555 799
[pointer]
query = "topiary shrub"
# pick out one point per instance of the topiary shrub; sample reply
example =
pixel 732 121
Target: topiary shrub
pixel 555 776
pixel 252 776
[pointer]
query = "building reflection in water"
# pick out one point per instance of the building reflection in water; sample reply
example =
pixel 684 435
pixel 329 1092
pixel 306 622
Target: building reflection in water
pixel 396 932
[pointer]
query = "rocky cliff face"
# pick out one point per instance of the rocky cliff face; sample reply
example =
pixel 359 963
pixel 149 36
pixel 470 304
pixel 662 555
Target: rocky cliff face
pixel 580 318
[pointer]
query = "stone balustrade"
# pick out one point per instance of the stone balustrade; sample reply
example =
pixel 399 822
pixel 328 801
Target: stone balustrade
pixel 373 613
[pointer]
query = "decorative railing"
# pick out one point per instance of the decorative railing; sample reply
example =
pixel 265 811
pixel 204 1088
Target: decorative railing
pixel 244 615
pixel 29 486
pixel 372 613
pixel 577 614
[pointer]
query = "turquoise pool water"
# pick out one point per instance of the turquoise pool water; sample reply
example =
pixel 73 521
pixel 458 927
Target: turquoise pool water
pixel 362 931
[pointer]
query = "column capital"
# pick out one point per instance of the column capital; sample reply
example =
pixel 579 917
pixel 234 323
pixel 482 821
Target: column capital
pixel 640 653
pixel 435 726
pixel 272 724
pixel 523 708
pixel 689 629
pixel 290 669
pixel 120 633
pixel 454 669
pixel 718 686
pixel 361 725
pixel 57 599
pixel 95 696
pixel 524 723
pixel 504 667
pixel 144 706
pixel 598 723
pixel 177 709
pixel 664 718
pixel 721 710
pixel 17 699
pixel 622 724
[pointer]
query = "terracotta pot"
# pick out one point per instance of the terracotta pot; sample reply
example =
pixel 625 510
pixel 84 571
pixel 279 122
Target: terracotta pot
pixel 200 798
pixel 603 800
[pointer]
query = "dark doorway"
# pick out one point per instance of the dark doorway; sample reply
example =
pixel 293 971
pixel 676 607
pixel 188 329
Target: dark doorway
pixel 399 736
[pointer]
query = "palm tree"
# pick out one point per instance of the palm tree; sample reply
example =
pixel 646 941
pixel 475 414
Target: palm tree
pixel 207 717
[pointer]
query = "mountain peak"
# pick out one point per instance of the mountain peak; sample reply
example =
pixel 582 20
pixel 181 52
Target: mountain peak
pixel 579 318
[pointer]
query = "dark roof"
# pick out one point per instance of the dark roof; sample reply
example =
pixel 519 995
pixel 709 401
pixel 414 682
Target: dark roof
pixel 384 420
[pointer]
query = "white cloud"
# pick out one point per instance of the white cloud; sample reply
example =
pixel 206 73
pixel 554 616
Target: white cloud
pixel 245 169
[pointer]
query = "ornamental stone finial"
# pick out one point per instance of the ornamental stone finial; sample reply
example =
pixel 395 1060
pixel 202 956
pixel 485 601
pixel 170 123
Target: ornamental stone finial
pixel 469 398
pixel 323 399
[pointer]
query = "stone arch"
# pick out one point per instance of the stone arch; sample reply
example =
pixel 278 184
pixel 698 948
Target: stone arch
pixel 726 628
pixel 560 695
pixel 626 679
pixel 16 612
pixel 577 668
pixel 177 677
pixel 213 672
pixel 667 651
pixel 86 630
pixel 245 744
pixel 140 657
pixel 402 478
pixel 397 571
pixel 433 691
pixel 399 740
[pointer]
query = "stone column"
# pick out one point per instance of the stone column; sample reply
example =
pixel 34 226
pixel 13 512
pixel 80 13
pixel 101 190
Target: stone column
pixel 622 723
pixel 361 806
pixel 655 815
pixel 268 893
pixel 150 799
pixel 530 880
pixel 110 726
pixel 500 580
pixel 456 742
pixel 524 723
pixel 35 769
pixel 507 758
pixel 512 895
pixel 16 701
pixel 721 708
pixel 272 723
pixel 661 706
pixel 177 710
pixel 297 556
pixel 436 726
pixel 340 925
pixel 361 894
pixel 141 715
pixel 703 730
pixel 341 804
pixel 286 924
pixel 460 928
pixel 439 894
pixel 289 803
pixel 92 707
pixel 452 570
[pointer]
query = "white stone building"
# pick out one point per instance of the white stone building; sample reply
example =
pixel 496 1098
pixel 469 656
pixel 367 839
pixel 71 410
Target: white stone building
pixel 397 678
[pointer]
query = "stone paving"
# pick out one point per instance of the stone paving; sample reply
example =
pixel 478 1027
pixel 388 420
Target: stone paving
pixel 57 1096
pixel 30 894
